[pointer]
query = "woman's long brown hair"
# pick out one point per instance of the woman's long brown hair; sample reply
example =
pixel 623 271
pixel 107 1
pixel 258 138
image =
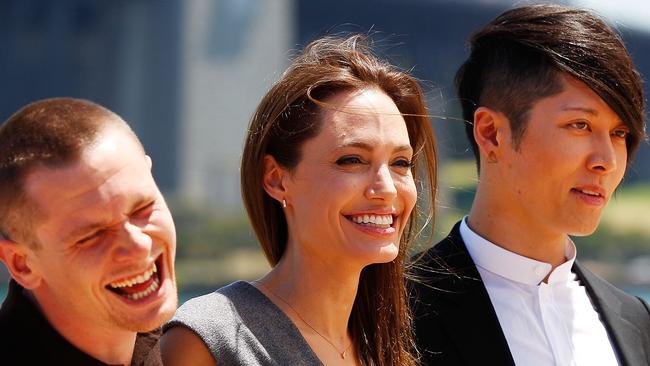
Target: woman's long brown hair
pixel 287 116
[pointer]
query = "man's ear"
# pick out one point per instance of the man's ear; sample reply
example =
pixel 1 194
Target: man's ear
pixel 274 179
pixel 149 162
pixel 489 131
pixel 18 259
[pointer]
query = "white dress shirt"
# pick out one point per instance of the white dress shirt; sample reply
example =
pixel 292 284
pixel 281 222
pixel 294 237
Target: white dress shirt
pixel 550 323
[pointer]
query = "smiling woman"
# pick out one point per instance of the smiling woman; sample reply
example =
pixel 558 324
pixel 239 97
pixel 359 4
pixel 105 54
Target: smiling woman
pixel 329 172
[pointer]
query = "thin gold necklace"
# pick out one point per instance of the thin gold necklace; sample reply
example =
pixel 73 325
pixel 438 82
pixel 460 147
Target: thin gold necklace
pixel 343 354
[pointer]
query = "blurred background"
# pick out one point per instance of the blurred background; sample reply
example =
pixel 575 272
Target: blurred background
pixel 187 76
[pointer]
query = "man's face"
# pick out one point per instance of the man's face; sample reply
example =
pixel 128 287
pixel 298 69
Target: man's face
pixel 107 241
pixel 571 159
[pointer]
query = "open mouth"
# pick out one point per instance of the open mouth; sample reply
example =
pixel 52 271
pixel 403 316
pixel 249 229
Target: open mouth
pixel 378 221
pixel 140 286
pixel 587 192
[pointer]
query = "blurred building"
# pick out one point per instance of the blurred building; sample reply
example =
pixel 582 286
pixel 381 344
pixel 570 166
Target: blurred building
pixel 122 54
pixel 188 74
pixel 232 51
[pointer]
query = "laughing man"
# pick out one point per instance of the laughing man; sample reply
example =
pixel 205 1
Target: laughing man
pixel 86 236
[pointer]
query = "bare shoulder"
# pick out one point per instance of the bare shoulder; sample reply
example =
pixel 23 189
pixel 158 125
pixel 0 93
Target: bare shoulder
pixel 181 346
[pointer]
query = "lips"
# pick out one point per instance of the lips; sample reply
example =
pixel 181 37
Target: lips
pixel 588 192
pixel 592 195
pixel 141 285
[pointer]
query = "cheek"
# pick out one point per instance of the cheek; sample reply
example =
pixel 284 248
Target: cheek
pixel 407 192
pixel 161 226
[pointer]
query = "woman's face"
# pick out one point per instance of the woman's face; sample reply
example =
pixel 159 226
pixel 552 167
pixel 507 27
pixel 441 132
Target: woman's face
pixel 350 196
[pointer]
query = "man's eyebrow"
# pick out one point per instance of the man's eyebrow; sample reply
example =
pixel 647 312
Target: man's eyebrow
pixel 587 110
pixel 591 111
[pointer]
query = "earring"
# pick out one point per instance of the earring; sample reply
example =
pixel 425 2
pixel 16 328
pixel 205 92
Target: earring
pixel 284 203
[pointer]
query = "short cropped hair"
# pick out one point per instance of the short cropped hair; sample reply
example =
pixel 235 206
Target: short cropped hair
pixel 48 133
pixel 518 58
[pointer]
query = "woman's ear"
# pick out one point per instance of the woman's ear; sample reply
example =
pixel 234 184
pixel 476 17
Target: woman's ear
pixel 274 179
pixel 488 132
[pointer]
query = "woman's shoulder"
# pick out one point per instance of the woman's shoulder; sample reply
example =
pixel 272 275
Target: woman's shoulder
pixel 218 307
pixel 240 325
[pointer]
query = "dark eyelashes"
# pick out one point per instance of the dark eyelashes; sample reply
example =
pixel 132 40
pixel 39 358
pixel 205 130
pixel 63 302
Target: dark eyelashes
pixel 405 163
pixel 90 237
pixel 348 160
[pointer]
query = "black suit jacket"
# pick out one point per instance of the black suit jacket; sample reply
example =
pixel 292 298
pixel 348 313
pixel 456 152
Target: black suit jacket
pixel 455 322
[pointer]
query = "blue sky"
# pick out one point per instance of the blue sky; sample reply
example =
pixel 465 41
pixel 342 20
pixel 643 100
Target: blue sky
pixel 623 13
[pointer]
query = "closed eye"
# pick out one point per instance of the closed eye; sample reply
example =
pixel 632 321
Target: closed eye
pixel 145 210
pixel 89 238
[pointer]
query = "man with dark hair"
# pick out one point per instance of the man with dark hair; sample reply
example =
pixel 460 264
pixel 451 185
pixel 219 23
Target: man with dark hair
pixel 86 236
pixel 556 111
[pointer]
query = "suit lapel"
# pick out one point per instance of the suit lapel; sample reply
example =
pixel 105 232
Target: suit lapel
pixel 625 336
pixel 466 310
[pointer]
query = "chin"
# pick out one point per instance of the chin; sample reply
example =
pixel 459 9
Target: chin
pixel 584 228
pixel 384 254
pixel 153 320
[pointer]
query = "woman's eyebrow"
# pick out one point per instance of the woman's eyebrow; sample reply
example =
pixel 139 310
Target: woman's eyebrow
pixel 369 147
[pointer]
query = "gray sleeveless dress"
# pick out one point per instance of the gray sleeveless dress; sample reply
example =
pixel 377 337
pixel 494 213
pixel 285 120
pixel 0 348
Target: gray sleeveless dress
pixel 241 326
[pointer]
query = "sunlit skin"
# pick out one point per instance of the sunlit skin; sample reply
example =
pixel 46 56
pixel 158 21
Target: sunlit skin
pixel 557 182
pixel 359 163
pixel 104 221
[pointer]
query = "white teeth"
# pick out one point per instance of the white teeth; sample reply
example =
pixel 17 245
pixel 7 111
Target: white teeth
pixel 373 219
pixel 137 280
pixel 591 193
pixel 139 295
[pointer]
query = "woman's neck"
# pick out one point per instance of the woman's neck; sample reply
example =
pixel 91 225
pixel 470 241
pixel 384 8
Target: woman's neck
pixel 318 297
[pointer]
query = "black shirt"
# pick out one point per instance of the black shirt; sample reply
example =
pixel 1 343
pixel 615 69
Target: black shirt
pixel 26 338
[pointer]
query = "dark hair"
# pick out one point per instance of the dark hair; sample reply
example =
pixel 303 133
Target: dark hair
pixel 518 58
pixel 290 114
pixel 47 133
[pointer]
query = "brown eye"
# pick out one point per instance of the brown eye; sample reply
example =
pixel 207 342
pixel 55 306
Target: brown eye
pixel 349 160
pixel 580 125
pixel 403 163
pixel 620 133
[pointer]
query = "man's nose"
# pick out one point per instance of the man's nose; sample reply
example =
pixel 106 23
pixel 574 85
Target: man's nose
pixel 134 243
pixel 603 158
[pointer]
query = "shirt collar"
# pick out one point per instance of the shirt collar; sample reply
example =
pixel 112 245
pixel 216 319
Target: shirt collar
pixel 513 266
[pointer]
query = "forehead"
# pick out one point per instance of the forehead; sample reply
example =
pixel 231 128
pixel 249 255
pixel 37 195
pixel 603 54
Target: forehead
pixel 576 96
pixel 363 114
pixel 109 175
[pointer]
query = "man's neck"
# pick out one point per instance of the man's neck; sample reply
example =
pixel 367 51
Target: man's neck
pixel 506 231
pixel 111 346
